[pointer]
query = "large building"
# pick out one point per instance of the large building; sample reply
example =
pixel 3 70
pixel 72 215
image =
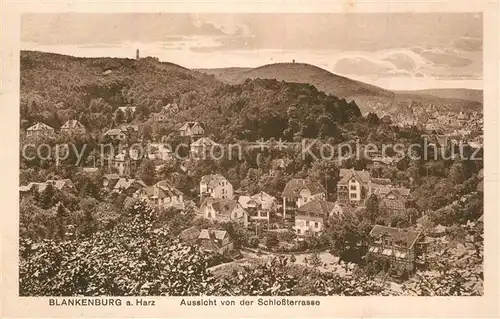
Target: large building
pixel 191 129
pixel 224 210
pixel 353 187
pixel 311 217
pixel 39 129
pixel 72 127
pixel 162 195
pixel 392 199
pixel 298 192
pixel 259 206
pixel 215 186
pixel 395 247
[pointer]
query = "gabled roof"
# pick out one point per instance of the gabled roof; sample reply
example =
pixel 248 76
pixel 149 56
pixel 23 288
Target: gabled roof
pixel 384 191
pixel 40 127
pixel 189 125
pixel 212 239
pixel 166 190
pixel 113 132
pixel 72 124
pixel 223 207
pixel 213 180
pixel 125 108
pixel 190 234
pixel 296 185
pixel 59 184
pixel 317 206
pixel 262 199
pixel 126 183
pixel 360 176
pixel 112 176
pixel 404 236
pixel 204 141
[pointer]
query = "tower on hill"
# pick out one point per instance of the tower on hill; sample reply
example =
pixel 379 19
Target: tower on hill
pixel 137 54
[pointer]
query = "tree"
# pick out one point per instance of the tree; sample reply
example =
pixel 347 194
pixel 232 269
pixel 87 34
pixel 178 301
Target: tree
pixel 272 240
pixel 326 173
pixel 315 259
pixel 147 172
pixel 372 207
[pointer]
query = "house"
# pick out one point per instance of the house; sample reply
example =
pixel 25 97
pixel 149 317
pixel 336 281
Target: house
pixel 159 151
pixel 217 241
pixel 125 109
pixel 190 235
pixel 128 131
pixel 394 246
pixel 115 134
pixel 72 127
pixel 39 129
pixel 128 186
pixel 109 181
pixel 192 129
pixel 132 131
pixel 298 192
pixel 215 186
pixel 353 186
pixel 392 199
pixel 61 184
pixel 162 195
pixel 122 164
pixel 165 112
pixel 204 148
pixel 311 216
pixel 259 206
pixel 224 210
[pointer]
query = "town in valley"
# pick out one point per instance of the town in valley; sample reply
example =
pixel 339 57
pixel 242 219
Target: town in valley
pixel 128 186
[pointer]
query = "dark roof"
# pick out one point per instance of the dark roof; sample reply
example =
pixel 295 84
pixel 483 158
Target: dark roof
pixel 401 191
pixel 347 174
pixel 409 237
pixel 190 234
pixel 166 190
pixel 317 206
pixel 294 186
pixel 221 206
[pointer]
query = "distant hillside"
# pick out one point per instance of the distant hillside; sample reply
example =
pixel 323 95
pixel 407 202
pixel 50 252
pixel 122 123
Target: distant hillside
pixel 323 80
pixel 55 88
pixel 369 98
pixel 461 94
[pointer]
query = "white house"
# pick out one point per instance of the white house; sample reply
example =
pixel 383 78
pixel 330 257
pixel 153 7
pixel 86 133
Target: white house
pixel 215 186
pixel 39 129
pixel 72 126
pixel 310 217
pixel 191 129
pixel 224 210
pixel 162 195
pixel 203 148
pixel 259 206
pixel 298 192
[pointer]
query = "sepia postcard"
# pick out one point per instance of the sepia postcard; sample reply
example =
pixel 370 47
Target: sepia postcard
pixel 278 159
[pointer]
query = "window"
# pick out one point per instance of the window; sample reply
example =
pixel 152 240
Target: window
pixel 353 187
pixel 316 224
pixel 263 214
pixel 354 195
pixel 307 223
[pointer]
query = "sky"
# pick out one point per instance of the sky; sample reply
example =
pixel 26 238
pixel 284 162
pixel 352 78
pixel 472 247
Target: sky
pixel 396 51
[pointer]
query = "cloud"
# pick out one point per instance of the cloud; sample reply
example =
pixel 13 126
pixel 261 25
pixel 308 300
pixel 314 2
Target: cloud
pixel 401 61
pixel 468 44
pixel 446 58
pixel 362 66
